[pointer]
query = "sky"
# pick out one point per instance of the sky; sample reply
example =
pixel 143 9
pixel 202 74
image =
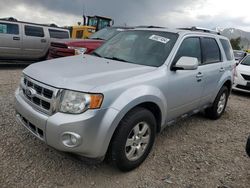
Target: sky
pixel 167 13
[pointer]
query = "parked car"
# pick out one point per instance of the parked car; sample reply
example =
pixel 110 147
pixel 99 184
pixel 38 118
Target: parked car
pixel 23 40
pixel 71 47
pixel 242 75
pixel 113 102
pixel 248 146
pixel 239 55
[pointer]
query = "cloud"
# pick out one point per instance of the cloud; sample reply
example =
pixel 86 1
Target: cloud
pixel 171 13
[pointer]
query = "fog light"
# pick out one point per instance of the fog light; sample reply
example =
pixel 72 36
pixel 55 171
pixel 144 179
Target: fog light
pixel 70 139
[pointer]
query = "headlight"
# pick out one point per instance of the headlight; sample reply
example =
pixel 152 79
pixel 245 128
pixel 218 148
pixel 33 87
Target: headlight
pixel 76 102
pixel 78 51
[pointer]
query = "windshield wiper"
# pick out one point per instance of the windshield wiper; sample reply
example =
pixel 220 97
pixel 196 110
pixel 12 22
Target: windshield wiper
pixel 97 38
pixel 117 58
pixel 96 54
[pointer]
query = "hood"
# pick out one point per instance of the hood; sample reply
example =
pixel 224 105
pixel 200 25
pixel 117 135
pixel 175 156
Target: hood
pixel 245 69
pixel 83 73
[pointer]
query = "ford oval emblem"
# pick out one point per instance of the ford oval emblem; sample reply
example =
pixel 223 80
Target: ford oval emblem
pixel 30 92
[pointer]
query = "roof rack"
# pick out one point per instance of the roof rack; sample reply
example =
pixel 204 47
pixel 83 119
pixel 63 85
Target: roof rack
pixel 148 26
pixel 9 19
pixel 200 29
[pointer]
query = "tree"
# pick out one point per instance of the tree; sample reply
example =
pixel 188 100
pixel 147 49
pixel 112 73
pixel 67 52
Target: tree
pixel 236 43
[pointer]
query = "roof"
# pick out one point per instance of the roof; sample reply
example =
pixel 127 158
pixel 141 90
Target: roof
pixel 11 19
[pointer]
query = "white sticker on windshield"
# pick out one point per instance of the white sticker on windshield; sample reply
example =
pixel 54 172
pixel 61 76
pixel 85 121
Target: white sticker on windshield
pixel 159 39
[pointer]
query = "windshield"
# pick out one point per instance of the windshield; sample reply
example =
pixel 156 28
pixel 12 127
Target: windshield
pixel 105 33
pixel 149 48
pixel 246 61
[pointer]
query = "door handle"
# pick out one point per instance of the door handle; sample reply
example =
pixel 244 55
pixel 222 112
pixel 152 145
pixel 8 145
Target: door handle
pixel 222 69
pixel 199 76
pixel 43 40
pixel 16 38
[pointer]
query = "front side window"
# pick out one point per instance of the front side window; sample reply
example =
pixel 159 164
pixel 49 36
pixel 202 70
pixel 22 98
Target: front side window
pixel 211 51
pixel 33 31
pixel 190 47
pixel 150 48
pixel 7 28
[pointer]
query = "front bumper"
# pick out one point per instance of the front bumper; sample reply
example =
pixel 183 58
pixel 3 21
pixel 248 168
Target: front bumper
pixel 241 85
pixel 93 126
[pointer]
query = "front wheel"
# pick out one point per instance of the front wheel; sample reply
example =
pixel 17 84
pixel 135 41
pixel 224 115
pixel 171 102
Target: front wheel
pixel 219 105
pixel 133 139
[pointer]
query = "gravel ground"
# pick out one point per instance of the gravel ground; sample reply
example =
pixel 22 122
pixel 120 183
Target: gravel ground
pixel 196 152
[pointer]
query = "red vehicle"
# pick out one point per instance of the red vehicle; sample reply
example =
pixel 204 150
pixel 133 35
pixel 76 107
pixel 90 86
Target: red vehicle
pixel 71 47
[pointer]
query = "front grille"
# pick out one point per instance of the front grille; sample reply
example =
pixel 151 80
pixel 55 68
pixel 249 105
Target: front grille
pixel 246 77
pixel 56 52
pixel 34 129
pixel 243 87
pixel 39 95
pixel 59 45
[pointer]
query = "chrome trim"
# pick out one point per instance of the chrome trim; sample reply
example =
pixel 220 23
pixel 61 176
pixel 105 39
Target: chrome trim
pixel 53 101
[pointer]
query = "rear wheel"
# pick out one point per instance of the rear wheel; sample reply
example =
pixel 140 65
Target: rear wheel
pixel 219 105
pixel 133 139
pixel 248 146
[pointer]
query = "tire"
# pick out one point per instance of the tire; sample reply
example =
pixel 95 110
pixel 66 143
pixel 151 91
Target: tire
pixel 128 157
pixel 216 110
pixel 248 146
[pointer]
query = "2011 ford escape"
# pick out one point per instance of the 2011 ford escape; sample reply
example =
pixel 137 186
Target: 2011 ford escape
pixel 113 102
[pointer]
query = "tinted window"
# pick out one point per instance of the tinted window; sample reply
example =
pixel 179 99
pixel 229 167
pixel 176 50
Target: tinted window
pixel 58 34
pixel 211 51
pixel 7 28
pixel 190 47
pixel 227 48
pixel 149 48
pixel 79 34
pixel 33 31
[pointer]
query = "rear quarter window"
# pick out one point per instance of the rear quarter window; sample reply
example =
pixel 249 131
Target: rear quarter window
pixel 8 28
pixel 58 34
pixel 33 31
pixel 227 49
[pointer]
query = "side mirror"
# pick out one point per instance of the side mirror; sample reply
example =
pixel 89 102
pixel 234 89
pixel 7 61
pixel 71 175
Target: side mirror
pixel 186 63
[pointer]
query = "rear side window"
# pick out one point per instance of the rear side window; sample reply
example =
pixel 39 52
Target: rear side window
pixel 58 34
pixel 33 31
pixel 190 47
pixel 227 48
pixel 7 28
pixel 211 51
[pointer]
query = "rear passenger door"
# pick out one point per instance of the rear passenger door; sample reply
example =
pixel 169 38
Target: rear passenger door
pixel 10 40
pixel 211 68
pixel 35 43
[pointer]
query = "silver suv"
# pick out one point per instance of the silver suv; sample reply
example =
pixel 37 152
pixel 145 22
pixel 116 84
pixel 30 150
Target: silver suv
pixel 23 40
pixel 113 102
